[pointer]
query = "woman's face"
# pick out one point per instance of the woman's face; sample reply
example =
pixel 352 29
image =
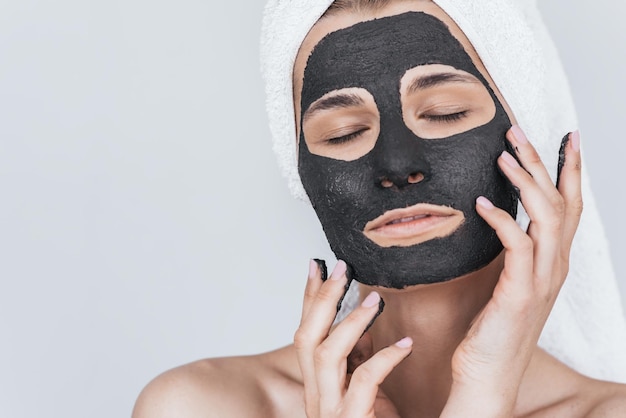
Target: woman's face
pixel 399 133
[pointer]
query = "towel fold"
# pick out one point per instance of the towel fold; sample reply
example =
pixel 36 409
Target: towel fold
pixel 586 328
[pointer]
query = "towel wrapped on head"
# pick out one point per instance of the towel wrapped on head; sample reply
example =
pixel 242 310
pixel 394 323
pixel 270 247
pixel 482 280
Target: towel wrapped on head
pixel 586 328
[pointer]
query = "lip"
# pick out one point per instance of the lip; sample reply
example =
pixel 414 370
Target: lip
pixel 413 225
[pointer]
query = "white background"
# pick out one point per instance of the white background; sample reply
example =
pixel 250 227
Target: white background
pixel 143 222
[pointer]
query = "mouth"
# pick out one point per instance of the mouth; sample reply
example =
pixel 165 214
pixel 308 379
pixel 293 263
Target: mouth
pixel 413 225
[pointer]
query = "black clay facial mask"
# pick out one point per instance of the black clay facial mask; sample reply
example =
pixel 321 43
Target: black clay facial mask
pixel 405 181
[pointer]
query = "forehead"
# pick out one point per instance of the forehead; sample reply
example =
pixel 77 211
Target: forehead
pixel 377 53
pixel 345 19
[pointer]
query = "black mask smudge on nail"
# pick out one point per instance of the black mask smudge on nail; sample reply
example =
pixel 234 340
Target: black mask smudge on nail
pixel 561 163
pixel 375 55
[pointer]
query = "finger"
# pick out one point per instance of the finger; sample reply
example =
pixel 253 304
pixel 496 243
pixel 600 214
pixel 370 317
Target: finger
pixel 314 328
pixel 322 306
pixel 349 275
pixel 370 375
pixel 317 276
pixel 569 185
pixel 331 356
pixel 535 201
pixel 518 259
pixel 531 161
pixel 546 215
pixel 314 283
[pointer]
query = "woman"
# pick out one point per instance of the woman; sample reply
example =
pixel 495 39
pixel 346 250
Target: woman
pixel 403 149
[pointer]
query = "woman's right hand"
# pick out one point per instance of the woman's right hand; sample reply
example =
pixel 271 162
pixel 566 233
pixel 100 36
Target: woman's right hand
pixel 329 390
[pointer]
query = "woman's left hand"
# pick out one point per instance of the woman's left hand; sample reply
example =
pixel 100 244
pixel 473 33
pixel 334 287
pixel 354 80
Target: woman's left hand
pixel 490 362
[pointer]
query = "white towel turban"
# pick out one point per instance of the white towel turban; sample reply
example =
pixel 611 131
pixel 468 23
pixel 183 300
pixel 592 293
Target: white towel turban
pixel 586 329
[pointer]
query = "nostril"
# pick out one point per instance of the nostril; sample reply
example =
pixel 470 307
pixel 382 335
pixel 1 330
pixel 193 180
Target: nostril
pixel 386 183
pixel 415 177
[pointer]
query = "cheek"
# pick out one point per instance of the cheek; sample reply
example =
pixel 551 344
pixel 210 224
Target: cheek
pixel 342 187
pixel 464 162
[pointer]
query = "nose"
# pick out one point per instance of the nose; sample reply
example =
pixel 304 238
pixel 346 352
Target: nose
pixel 400 161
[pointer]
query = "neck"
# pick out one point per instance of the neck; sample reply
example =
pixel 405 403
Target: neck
pixel 437 317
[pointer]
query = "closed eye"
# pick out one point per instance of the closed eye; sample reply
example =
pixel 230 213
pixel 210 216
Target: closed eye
pixel 346 138
pixel 452 117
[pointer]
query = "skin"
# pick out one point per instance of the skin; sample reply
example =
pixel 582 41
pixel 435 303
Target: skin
pixel 472 347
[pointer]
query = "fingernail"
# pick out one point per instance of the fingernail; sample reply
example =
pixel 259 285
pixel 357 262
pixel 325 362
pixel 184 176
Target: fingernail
pixel 405 342
pixel 321 264
pixel 575 140
pixel 339 271
pixel 519 134
pixel 373 299
pixel 484 202
pixel 312 269
pixel 509 160
pixel 381 308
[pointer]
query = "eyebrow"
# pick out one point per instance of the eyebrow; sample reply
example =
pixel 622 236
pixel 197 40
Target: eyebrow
pixel 432 80
pixel 340 100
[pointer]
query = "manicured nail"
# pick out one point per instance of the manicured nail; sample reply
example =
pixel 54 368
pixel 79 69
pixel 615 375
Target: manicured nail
pixel 575 140
pixel 312 269
pixel 405 343
pixel 484 202
pixel 381 308
pixel 509 160
pixel 519 134
pixel 339 271
pixel 373 299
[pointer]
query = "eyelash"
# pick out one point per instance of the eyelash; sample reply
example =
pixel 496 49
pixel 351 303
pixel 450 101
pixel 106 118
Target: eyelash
pixel 453 117
pixel 346 138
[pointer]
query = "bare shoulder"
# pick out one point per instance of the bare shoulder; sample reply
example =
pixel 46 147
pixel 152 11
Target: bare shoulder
pixel 555 390
pixel 264 385
pixel 610 400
